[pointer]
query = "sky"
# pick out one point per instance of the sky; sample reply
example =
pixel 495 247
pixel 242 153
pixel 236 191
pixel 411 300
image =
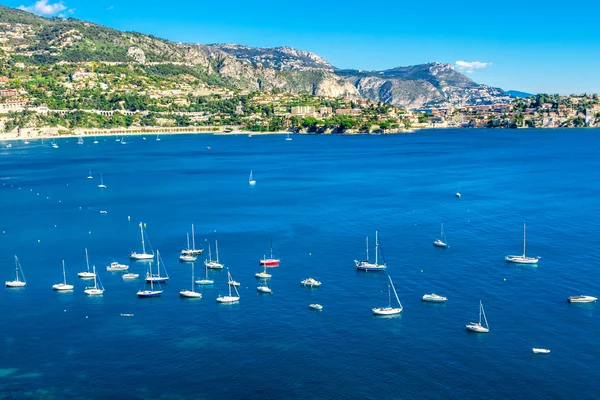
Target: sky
pixel 529 45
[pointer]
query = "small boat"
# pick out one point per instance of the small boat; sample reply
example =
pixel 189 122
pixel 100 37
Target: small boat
pixel 17 283
pixel 288 137
pixel 311 282
pixel 158 278
pixel 458 191
pixel 130 276
pixel 63 287
pixel 145 293
pixel 522 259
pixel 143 255
pixel 263 274
pixel 233 283
pixel 185 255
pixel 389 310
pixel 270 262
pixel 229 298
pixel 434 298
pixel 26 141
pixel 54 145
pixel 582 299
pixel 101 185
pixel 251 180
pixel 476 326
pixel 205 281
pixel 90 175
pixel 213 264
pixel 103 212
pixel 95 290
pixel 264 288
pixel 126 315
pixel 123 140
pixel 191 293
pixel 80 140
pixel 540 351
pixel 368 266
pixel 144 138
pixel 86 274
pixel 441 242
pixel 9 146
pixel 158 138
pixel 316 306
pixel 95 140
pixel 116 267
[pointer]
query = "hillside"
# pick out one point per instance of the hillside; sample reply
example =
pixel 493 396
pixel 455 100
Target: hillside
pixel 36 41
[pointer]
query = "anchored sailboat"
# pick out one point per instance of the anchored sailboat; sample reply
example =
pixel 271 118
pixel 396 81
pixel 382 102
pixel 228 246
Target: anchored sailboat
pixel 17 283
pixel 251 181
pixel 522 259
pixel 143 255
pixel 229 298
pixel 368 266
pixel 151 292
pixel 476 326
pixel 63 286
pixel 213 264
pixel 86 274
pixel 190 293
pixel 205 281
pixel 187 255
pixel 101 185
pixel 389 310
pixel 95 290
pixel 270 262
pixel 158 278
pixel 441 242
pixel 193 251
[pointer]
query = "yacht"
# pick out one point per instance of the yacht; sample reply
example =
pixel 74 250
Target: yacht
pixel 17 283
pixel 263 274
pixel 522 259
pixel 86 274
pixel 143 255
pixel 311 282
pixel 316 306
pixel 63 286
pixel 116 267
pixel 270 262
pixel 540 351
pixel 369 266
pixel 389 310
pixel 145 293
pixel 442 241
pixel 157 278
pixel 130 276
pixel 95 290
pixel 213 264
pixel 264 289
pixel 582 299
pixel 477 327
pixel 434 298
pixel 192 294
pixel 186 255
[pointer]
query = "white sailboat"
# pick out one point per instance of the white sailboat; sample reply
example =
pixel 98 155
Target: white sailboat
pixel 90 175
pixel 389 310
pixel 158 278
pixel 158 138
pixel 368 266
pixel 316 306
pixel 101 185
pixel 17 283
pixel 95 290
pixel 150 292
pixel 193 251
pixel 288 137
pixel 251 181
pixel 123 140
pixel 477 326
pixel 95 140
pixel 143 255
pixel 263 274
pixel 80 140
pixel 190 293
pixel 229 298
pixel 264 288
pixel 205 281
pixel 442 241
pixel 64 286
pixel 213 264
pixel 186 255
pixel 86 274
pixel 458 191
pixel 54 145
pixel 522 259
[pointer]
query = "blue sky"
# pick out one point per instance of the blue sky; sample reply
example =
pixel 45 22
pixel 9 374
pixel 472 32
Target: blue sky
pixel 534 46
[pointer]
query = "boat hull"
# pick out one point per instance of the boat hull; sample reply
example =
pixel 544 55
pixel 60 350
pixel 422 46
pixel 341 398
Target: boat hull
pixel 440 244
pixel 149 293
pixel 387 310
pixel 434 298
pixel 264 289
pixel 581 299
pixel 93 292
pixel 187 258
pixel 189 294
pixel 130 276
pixel 262 275
pixel 317 307
pixel 156 279
pixel 269 262
pixel 204 282
pixel 141 256
pixel 213 265
pixel 520 260
pixel 86 275
pixel 477 328
pixel 228 299
pixel 62 287
pixel 370 267
pixel 540 351
pixel 15 284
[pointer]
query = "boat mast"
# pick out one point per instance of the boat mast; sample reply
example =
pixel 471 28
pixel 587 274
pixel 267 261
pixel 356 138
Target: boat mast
pixel 87 261
pixel 192 277
pixel 367 249
pixel 484 317
pixel 376 247
pixel 524 238
pixel 17 268
pixel 95 283
pixel 142 232
pixel 228 280
pixel 193 239
pixel 187 235
pixel 64 273
pixel 151 281
pixel 217 247
pixel 158 262
pixel 395 293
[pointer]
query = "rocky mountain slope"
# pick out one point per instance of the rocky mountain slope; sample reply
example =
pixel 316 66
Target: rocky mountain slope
pixel 43 41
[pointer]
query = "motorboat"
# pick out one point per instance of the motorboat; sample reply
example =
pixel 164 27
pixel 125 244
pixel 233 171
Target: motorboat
pixel 434 298
pixel 264 289
pixel 582 299
pixel 316 306
pixel 540 351
pixel 130 276
pixel 116 267
pixel 311 282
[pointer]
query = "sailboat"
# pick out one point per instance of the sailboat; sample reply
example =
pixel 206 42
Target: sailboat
pixel 80 140
pixel 17 283
pixel 193 251
pixel 95 140
pixel 95 290
pixel 389 310
pixel 476 326
pixel 368 266
pixel 150 293
pixel 54 145
pixel 251 181
pixel 86 274
pixel 143 255
pixel 522 259
pixel 229 298
pixel 63 286
pixel 90 175
pixel 190 293
pixel 185 255
pixel 458 191
pixel 158 138
pixel 270 262
pixel 157 278
pixel 441 242
pixel 101 185
pixel 288 137
pixel 264 288
pixel 263 274
pixel 123 140
pixel 213 264
pixel 205 281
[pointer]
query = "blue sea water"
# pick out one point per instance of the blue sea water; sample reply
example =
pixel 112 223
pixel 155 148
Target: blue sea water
pixel 317 197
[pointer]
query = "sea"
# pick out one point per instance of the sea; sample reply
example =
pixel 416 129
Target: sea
pixel 316 199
